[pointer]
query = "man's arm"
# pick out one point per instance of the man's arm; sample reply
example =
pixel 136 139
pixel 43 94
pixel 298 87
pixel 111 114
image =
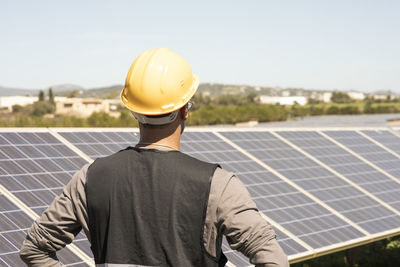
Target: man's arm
pixel 58 225
pixel 236 216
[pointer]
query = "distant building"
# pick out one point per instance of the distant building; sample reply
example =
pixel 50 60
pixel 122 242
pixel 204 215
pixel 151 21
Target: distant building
pixel 283 100
pixel 356 95
pixel 84 107
pixel 326 97
pixel 285 93
pixel 6 102
pixel 380 96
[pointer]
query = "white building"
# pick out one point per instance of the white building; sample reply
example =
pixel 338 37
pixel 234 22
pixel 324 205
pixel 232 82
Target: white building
pixel 326 97
pixel 283 100
pixel 356 95
pixel 84 107
pixel 6 102
pixel 380 97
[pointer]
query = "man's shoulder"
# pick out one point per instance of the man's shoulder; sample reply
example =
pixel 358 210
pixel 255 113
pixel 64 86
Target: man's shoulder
pixel 220 180
pixel 222 174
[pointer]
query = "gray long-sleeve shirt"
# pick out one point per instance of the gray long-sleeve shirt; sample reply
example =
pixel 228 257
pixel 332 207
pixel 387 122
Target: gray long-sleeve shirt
pixel 230 211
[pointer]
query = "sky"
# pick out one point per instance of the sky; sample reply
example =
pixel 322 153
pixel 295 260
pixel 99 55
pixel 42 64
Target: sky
pixel 319 44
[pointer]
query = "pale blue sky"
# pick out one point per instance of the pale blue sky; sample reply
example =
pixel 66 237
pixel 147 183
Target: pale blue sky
pixel 353 44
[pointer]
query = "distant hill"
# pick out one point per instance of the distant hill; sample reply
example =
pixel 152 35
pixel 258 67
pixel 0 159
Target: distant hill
pixel 103 92
pixel 60 88
pixel 9 91
pixel 57 89
pixel 211 89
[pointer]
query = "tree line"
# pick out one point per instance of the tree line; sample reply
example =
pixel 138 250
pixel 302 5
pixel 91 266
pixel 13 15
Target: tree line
pixel 223 109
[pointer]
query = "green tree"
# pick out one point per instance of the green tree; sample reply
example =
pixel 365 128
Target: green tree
pixel 368 109
pixel 51 96
pixel 199 100
pixel 299 111
pixel 41 95
pixel 312 101
pixel 17 108
pixel 316 110
pixel 340 97
pixel 349 109
pixel 251 97
pixel 42 107
pixel 72 94
pixel 334 109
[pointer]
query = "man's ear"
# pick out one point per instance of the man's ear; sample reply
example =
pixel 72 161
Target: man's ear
pixel 184 112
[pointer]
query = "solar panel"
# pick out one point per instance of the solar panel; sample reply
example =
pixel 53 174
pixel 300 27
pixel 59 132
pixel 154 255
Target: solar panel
pixel 376 217
pixel 100 144
pixel 34 167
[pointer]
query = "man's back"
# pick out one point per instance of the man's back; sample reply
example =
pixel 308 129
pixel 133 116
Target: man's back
pixel 148 207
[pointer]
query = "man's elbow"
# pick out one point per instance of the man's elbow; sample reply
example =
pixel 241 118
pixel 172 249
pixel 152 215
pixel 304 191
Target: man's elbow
pixel 25 253
pixel 279 260
pixel 270 255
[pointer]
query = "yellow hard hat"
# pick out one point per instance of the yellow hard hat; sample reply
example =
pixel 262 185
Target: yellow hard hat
pixel 158 82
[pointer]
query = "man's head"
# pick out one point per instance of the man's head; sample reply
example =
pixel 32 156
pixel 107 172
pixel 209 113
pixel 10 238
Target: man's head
pixel 158 87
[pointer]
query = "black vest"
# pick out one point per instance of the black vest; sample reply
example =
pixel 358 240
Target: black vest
pixel 148 207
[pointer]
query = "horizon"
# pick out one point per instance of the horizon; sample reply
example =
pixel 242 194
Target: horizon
pixel 339 45
pixel 224 84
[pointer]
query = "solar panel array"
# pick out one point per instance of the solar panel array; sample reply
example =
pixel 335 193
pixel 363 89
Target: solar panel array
pixel 321 190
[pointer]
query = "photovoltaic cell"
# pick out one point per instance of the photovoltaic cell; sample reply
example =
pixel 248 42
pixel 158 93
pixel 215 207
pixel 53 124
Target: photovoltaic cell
pixel 34 167
pixel 100 144
pixel 377 218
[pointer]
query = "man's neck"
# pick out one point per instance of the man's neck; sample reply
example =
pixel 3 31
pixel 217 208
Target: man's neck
pixel 163 137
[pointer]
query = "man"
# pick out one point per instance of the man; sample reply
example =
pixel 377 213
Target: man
pixel 151 205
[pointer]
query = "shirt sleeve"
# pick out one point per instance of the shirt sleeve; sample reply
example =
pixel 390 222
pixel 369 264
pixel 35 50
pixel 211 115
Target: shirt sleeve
pixel 58 225
pixel 237 217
